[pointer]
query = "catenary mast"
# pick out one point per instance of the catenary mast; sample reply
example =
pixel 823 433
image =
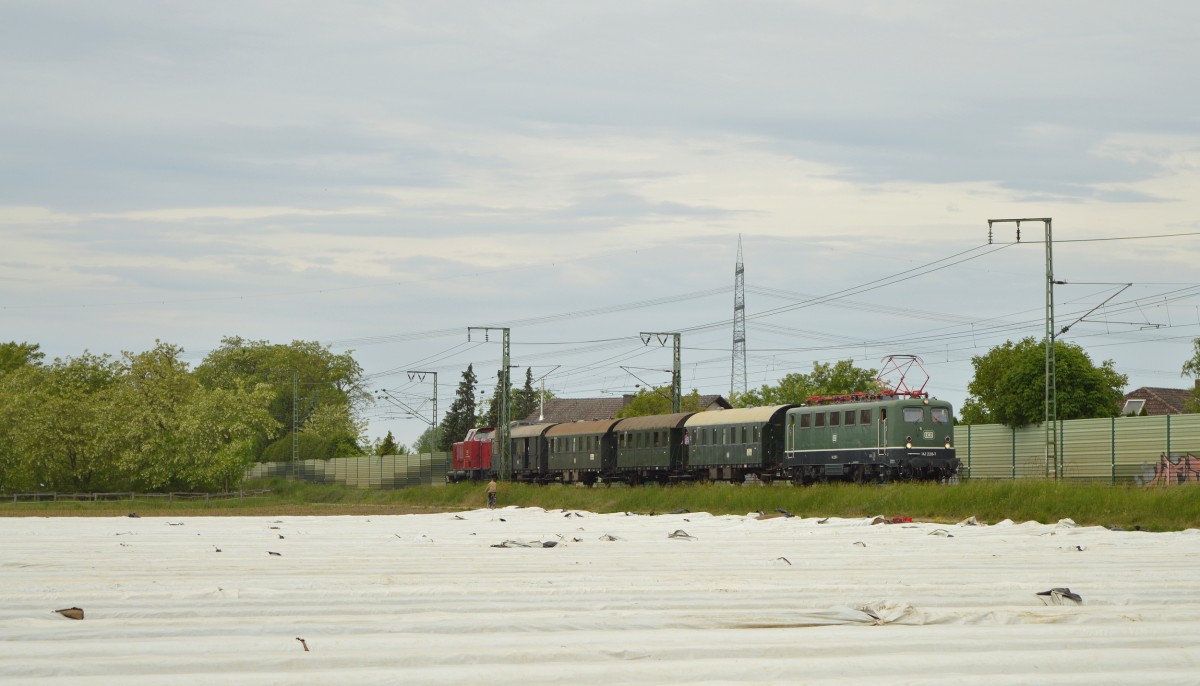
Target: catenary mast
pixel 737 381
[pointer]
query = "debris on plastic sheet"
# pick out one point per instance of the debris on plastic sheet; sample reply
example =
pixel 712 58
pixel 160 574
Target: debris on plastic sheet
pixel 680 533
pixel 423 538
pixel 1074 548
pixel 609 537
pixel 887 613
pixel 303 643
pixel 1066 523
pixel 901 519
pixel 460 517
pixel 682 510
pixel 572 514
pixel 879 613
pixel 941 532
pixel 860 544
pixel 822 521
pixel 273 527
pixel 525 544
pixel 783 559
pixel 1060 596
pixel 174 523
pixel 784 512
pixel 133 515
pixel 773 515
pixel 281 535
pixel 970 521
pixel 271 552
pixel 879 520
pixel 71 612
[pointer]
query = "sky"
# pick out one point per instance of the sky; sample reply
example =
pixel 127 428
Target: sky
pixel 380 176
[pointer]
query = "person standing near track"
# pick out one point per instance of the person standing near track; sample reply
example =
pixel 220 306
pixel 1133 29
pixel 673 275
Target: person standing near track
pixel 491 494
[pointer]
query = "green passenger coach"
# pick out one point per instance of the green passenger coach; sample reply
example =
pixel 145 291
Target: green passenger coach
pixel 731 444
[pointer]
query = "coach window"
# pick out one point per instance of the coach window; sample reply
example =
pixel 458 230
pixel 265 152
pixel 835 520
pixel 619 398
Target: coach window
pixel 864 416
pixel 805 420
pixel 819 420
pixel 849 418
pixel 656 439
pixel 913 415
pixel 835 418
pixel 755 438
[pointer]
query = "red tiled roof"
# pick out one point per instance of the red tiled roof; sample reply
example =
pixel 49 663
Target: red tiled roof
pixel 1162 401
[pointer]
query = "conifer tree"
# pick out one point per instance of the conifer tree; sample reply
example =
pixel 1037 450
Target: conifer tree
pixel 460 418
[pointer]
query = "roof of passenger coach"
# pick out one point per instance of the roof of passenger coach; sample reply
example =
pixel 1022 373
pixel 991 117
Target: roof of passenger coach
pixel 743 415
pixel 580 428
pixel 529 430
pixel 655 421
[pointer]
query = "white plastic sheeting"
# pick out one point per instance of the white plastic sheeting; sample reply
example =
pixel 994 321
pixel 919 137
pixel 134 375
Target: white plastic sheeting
pixel 428 599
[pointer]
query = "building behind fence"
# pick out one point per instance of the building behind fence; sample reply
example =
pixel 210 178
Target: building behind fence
pixel 386 472
pixel 1121 450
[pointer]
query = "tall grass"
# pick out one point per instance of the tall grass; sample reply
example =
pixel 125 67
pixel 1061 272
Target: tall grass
pixel 991 501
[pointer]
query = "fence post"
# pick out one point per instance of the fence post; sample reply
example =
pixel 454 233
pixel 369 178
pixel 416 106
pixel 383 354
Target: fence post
pixel 1112 449
pixel 968 451
pixel 1013 442
pixel 1062 450
pixel 1168 436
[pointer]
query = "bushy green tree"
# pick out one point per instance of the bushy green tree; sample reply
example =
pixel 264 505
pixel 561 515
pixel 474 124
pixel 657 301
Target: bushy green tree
pixel 1191 368
pixel 1009 385
pixel 64 432
pixel 425 443
pixel 650 401
pixel 825 379
pixel 15 355
pixel 306 376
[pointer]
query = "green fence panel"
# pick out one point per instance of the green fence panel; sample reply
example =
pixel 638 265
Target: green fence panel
pixel 1086 449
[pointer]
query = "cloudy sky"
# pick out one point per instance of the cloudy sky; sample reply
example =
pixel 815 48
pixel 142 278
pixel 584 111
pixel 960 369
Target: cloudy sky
pixel 379 176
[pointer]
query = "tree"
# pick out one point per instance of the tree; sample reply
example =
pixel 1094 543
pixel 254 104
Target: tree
pixel 61 429
pixel 305 376
pixel 1009 385
pixel 1192 368
pixel 492 416
pixel 15 355
pixel 525 399
pixel 424 444
pixel 650 401
pixel 825 379
pixel 388 447
pixel 460 418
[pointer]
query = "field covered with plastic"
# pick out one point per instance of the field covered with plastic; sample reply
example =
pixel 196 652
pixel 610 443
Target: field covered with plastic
pixel 528 596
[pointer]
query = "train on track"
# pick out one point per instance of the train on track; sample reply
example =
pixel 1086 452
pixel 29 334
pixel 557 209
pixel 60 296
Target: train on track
pixel 875 438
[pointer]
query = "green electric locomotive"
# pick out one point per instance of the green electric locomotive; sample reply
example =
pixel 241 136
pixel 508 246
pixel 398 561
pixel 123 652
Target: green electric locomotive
pixel 868 437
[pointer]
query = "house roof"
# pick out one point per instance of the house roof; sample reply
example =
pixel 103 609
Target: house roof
pixel 560 410
pixel 1162 401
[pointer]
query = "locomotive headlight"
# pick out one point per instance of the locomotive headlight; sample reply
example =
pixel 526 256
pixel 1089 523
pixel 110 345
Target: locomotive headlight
pixel 947 442
pixel 908 441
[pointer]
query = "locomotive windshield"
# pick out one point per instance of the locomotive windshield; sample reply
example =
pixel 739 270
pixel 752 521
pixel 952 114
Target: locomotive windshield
pixel 914 415
pixel 940 415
